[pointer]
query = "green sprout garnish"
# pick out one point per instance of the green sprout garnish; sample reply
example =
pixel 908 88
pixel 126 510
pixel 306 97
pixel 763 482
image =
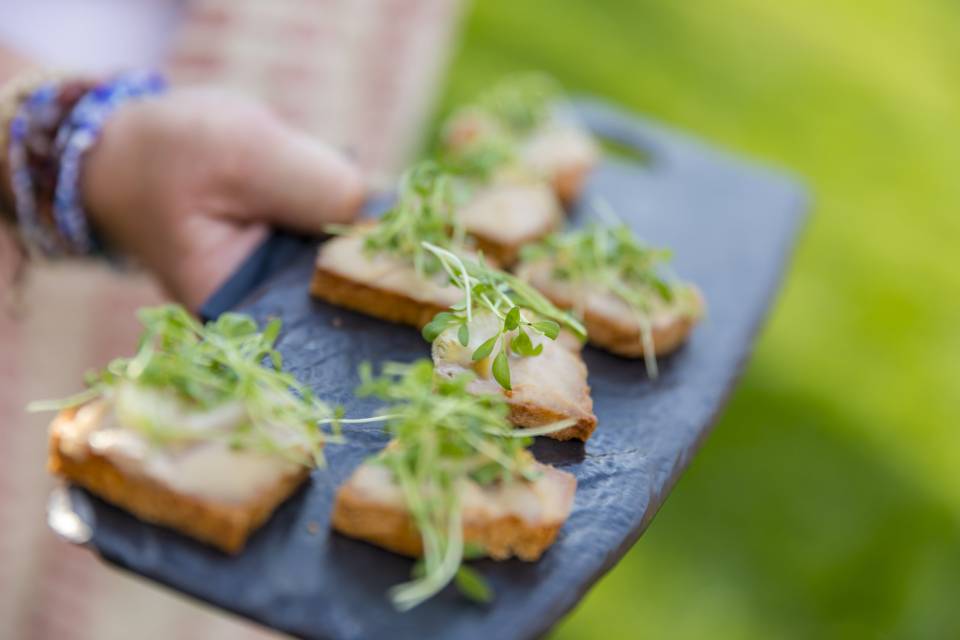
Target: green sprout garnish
pixel 515 107
pixel 611 258
pixel 205 367
pixel 480 159
pixel 424 211
pixel 443 437
pixel 521 103
pixel 506 297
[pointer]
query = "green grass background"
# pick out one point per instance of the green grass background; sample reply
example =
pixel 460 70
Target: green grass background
pixel 827 502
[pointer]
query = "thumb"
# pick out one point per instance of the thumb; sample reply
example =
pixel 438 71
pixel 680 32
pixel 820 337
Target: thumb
pixel 303 184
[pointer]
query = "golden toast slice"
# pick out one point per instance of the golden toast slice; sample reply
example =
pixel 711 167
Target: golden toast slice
pixel 521 519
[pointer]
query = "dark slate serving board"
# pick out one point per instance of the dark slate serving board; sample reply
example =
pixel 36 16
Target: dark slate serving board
pixel 732 225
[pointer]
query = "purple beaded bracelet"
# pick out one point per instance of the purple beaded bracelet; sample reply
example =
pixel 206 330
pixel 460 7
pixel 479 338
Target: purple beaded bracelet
pixel 77 135
pixel 78 131
pixel 37 111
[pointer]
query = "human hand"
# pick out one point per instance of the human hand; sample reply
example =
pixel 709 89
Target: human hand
pixel 190 182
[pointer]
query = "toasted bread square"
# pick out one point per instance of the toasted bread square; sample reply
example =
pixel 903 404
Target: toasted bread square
pixel 380 286
pixel 564 154
pixel 545 388
pixel 224 525
pixel 560 151
pixel 509 213
pixel 611 323
pixel 370 507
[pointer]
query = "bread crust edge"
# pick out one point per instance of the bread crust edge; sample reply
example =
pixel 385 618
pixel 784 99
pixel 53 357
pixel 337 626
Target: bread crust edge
pixel 528 415
pixel 341 291
pixel 628 342
pixel 393 529
pixel 568 182
pixel 224 526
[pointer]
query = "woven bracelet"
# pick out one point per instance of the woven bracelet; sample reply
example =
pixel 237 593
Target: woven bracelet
pixel 77 135
pixel 49 136
pixel 12 95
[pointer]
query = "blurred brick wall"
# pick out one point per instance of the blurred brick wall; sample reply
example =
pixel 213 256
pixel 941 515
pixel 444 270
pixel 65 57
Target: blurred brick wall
pixel 360 74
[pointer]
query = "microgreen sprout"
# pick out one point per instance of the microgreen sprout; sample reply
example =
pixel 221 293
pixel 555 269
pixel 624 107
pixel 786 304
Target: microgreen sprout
pixel 609 257
pixel 511 110
pixel 443 438
pixel 479 159
pixel 506 297
pixel 424 211
pixel 521 102
pixel 204 367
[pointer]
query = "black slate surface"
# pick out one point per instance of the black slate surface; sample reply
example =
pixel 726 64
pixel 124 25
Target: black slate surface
pixel 732 225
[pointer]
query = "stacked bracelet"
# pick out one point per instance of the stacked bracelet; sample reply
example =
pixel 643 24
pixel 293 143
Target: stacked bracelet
pixel 33 161
pixel 53 128
pixel 12 94
pixel 16 91
pixel 75 138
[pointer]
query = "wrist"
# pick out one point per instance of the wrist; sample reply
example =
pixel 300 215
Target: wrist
pixel 52 129
pixel 16 85
pixel 108 182
pixel 78 135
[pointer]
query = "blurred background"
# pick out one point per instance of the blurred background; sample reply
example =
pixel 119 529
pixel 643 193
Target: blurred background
pixel 826 503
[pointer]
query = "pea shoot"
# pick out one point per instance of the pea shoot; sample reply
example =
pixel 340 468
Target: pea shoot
pixel 493 291
pixel 444 437
pixel 611 258
pixel 205 367
pixel 521 103
pixel 424 211
pixel 505 115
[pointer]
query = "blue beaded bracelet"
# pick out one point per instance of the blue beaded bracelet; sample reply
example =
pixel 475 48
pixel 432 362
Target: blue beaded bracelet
pixel 38 111
pixel 77 135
